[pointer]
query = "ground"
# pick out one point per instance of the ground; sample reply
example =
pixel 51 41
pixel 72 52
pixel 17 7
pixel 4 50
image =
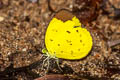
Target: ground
pixel 22 29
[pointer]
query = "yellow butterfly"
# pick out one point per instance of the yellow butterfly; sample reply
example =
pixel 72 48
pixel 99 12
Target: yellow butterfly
pixel 67 39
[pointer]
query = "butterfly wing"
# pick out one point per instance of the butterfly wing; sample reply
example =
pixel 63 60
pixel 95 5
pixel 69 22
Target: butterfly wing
pixel 66 41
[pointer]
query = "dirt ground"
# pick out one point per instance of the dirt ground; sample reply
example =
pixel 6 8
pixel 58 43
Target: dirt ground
pixel 22 29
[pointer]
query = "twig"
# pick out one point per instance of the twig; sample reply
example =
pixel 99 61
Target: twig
pixel 113 43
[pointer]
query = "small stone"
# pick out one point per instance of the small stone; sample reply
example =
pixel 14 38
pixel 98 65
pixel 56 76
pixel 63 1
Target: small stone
pixel 24 49
pixel 1 18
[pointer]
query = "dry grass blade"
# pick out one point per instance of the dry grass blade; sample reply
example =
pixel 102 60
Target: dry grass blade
pixel 113 43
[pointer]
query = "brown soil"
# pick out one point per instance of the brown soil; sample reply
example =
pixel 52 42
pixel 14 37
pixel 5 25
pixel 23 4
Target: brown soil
pixel 22 29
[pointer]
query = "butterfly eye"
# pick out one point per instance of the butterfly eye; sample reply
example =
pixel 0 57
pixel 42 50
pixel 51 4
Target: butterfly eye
pixel 44 50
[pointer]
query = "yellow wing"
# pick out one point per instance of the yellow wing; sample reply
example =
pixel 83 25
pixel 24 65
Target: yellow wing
pixel 68 40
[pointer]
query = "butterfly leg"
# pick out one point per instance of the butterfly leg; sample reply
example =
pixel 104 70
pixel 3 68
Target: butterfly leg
pixel 48 64
pixel 57 61
pixel 44 62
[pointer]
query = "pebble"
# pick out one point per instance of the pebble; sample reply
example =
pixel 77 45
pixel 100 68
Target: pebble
pixel 1 18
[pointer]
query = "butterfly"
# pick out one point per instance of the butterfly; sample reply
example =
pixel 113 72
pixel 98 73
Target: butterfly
pixel 66 38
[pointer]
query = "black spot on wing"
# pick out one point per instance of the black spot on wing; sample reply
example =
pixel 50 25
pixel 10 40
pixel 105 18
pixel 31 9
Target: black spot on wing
pixel 71 52
pixel 77 31
pixel 61 51
pixel 58 44
pixel 76 26
pixel 68 32
pixel 83 44
pixel 68 41
pixel 51 39
pixel 80 35
pixel 54 30
pixel 80 41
